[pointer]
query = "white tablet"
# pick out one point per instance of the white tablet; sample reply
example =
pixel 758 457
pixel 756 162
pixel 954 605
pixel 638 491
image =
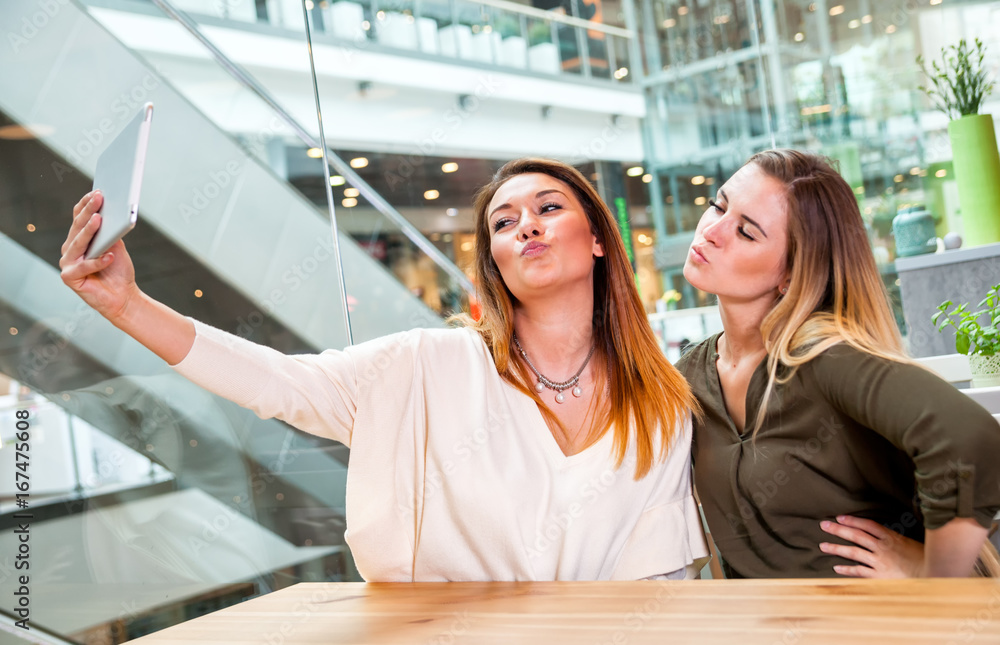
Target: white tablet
pixel 118 177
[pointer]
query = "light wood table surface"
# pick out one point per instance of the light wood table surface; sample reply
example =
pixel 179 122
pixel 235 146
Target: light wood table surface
pixel 741 612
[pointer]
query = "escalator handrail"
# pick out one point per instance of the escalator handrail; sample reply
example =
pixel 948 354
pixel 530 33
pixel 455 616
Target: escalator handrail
pixel 338 164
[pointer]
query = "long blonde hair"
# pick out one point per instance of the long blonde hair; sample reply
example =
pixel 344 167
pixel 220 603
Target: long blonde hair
pixel 835 293
pixel 645 393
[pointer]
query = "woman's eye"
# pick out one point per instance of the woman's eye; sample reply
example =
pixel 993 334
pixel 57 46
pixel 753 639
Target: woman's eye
pixel 550 206
pixel 500 223
pixel 742 230
pixel 718 208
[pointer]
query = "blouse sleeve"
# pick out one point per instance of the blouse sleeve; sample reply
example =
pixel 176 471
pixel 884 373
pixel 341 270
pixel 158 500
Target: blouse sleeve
pixel 953 441
pixel 316 393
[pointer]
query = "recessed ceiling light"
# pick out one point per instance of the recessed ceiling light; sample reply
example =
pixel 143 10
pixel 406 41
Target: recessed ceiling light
pixel 337 180
pixel 351 192
pixel 451 166
pixel 314 153
pixel 431 194
pixel 349 202
pixel 635 171
pixel 836 10
pixel 359 162
pixel 698 180
pixel 198 293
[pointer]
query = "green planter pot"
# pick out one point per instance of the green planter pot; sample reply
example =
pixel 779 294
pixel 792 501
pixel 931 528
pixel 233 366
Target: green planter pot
pixel 977 171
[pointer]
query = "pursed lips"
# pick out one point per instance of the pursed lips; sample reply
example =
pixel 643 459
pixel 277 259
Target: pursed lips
pixel 697 252
pixel 533 248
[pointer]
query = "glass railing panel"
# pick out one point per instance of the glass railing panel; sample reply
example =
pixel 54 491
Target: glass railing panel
pixel 239 505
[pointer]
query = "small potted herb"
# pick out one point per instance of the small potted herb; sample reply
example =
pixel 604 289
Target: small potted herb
pixel 977 335
pixel 958 87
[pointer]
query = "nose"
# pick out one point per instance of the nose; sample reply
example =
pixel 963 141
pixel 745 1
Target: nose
pixel 529 226
pixel 713 231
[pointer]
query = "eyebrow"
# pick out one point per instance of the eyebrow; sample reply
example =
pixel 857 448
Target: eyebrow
pixel 539 194
pixel 743 216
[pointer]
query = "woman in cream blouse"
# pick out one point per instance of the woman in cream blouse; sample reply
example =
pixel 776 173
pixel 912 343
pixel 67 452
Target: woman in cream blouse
pixel 549 440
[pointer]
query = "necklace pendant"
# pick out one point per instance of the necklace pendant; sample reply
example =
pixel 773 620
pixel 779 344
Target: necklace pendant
pixel 539 387
pixel 560 397
pixel 577 391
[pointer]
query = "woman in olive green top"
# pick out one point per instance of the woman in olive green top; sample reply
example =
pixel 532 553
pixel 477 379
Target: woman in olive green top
pixel 822 448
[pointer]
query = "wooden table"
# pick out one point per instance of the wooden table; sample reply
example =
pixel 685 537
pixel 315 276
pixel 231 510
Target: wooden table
pixel 774 612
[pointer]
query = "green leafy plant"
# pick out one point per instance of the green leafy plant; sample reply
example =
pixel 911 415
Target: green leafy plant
pixel 960 84
pixel 971 337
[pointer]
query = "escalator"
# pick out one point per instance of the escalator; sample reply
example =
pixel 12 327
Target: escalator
pixel 221 237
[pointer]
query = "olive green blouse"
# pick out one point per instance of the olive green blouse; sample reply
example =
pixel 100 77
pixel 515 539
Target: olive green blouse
pixel 849 434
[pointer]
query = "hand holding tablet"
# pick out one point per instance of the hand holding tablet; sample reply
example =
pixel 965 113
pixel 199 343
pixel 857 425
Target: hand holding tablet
pixel 94 261
pixel 119 178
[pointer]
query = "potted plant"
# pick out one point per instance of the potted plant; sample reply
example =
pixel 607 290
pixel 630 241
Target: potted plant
pixel 980 342
pixel 959 86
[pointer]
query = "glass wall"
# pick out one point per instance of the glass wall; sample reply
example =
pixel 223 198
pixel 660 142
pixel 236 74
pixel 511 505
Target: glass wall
pixel 725 79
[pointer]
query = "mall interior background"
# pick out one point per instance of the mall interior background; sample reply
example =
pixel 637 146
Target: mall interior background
pixel 156 502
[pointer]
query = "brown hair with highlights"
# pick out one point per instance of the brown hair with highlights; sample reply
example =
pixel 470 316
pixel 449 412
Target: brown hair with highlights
pixel 645 394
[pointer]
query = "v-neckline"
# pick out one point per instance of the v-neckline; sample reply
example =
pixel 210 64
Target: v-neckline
pixel 713 365
pixel 549 443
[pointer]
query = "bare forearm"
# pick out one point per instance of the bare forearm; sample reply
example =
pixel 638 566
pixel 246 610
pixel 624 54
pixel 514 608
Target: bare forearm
pixel 162 330
pixel 951 551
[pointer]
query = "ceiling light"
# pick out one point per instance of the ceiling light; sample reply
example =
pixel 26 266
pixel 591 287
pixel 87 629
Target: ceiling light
pixel 31 228
pixel 451 166
pixel 621 73
pixel 647 178
pixel 866 19
pixel 13 331
pixel 314 153
pixel 700 201
pixel 451 212
pixel 891 29
pixel 669 23
pixel 20 132
pixel 337 180
pixel 349 202
pixel 836 10
pixel 634 171
pixel 898 178
pixel 198 293
pixel 359 162
pixel 682 11
pixel 431 194
pixel 914 170
pixel 721 20
pixel 941 173
pixel 698 180
pixel 351 192
pixel 466 246
pixel 854 24
pixel 799 37
pixel 934 2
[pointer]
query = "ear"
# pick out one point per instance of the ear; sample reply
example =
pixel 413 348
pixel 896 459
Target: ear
pixel 598 248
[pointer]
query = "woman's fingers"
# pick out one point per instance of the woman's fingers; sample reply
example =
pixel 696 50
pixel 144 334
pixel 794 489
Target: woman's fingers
pixel 83 202
pixel 82 214
pixel 857 536
pixel 868 526
pixel 853 553
pixel 84 268
pixel 854 571
pixel 77 244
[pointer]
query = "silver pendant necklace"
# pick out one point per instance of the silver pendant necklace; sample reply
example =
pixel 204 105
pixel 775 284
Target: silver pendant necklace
pixel 544 382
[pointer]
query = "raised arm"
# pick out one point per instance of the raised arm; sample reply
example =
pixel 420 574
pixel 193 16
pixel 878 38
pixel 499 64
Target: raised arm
pixel 315 393
pixel 108 285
